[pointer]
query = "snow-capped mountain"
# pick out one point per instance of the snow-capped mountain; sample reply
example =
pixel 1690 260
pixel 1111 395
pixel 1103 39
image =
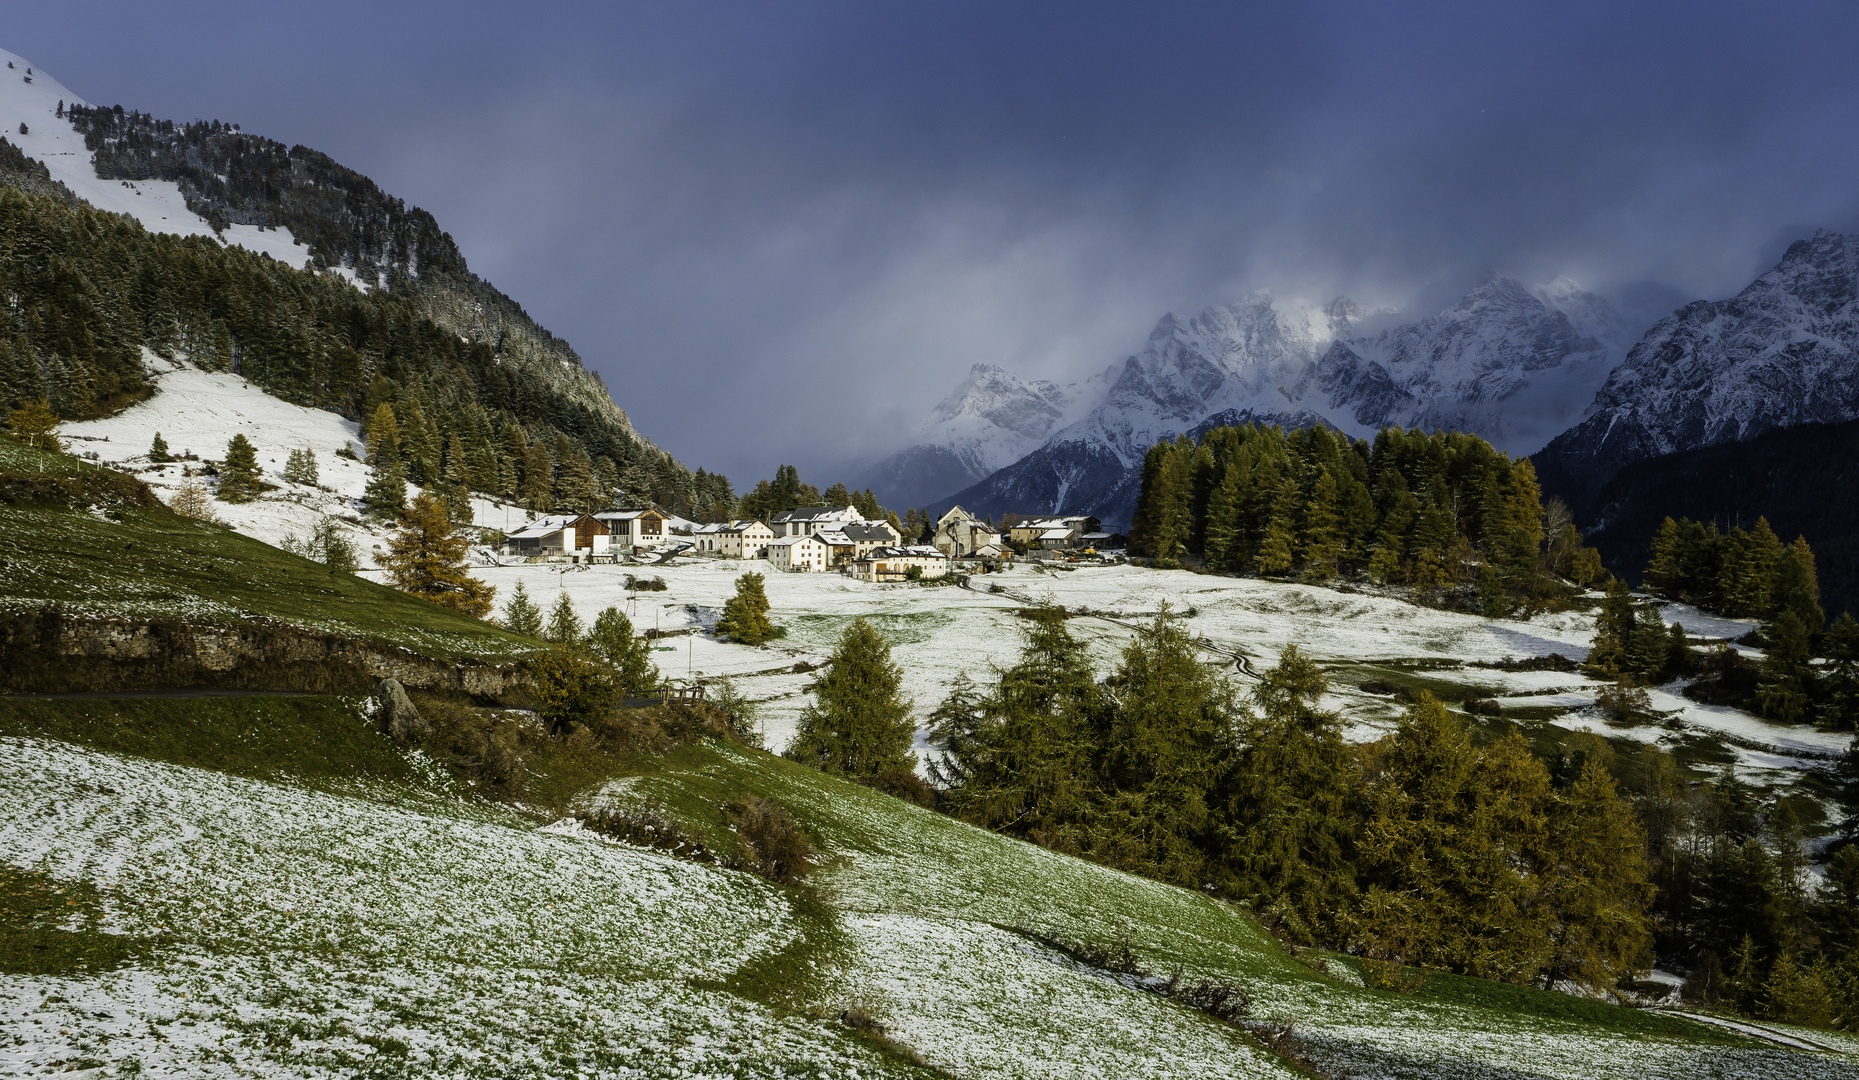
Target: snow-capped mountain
pixel 31 108
pixel 1784 351
pixel 1507 363
pixel 992 419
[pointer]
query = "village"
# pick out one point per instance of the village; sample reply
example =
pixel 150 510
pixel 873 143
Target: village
pixel 810 539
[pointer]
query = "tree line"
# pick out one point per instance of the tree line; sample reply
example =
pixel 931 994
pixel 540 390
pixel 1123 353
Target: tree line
pixel 1427 510
pixel 90 291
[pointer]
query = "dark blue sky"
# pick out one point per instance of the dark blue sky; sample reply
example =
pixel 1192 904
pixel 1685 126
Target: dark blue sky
pixel 783 231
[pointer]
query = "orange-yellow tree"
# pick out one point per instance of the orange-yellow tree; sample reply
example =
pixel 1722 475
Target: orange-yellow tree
pixel 426 557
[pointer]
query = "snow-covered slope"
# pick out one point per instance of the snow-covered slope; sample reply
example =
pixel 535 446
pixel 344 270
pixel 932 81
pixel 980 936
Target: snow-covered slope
pixel 1784 351
pixel 199 412
pixel 1510 364
pixel 30 97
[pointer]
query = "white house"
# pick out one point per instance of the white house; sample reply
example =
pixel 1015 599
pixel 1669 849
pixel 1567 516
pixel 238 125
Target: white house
pixel 734 539
pixel 570 536
pixel 867 535
pixel 1054 532
pixel 634 529
pixel 799 554
pixel 811 519
pixel 895 563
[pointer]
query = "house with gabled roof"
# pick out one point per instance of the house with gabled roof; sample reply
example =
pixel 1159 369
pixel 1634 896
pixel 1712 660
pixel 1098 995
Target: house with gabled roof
pixel 895 563
pixel 805 553
pixel 811 519
pixel 569 536
pixel 632 530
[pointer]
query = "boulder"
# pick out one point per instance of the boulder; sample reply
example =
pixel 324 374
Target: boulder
pixel 398 716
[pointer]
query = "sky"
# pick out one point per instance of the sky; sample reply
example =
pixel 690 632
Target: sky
pixel 783 231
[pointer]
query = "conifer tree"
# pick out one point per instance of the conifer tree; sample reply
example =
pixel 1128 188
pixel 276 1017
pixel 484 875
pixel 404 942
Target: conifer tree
pixel 745 615
pixel 1223 508
pixel 1286 828
pixel 300 467
pixel 158 450
pixel 1322 530
pixel 426 557
pixel 1797 586
pixel 239 478
pixel 520 613
pixel 612 637
pixel 858 724
pixel 958 729
pixel 1166 741
pixel 1785 689
pixel 1840 678
pixel 386 494
pixel 538 477
pixel 1598 887
pixel 564 626
pixel 1277 548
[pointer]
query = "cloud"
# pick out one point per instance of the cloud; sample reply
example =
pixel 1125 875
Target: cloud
pixel 782 233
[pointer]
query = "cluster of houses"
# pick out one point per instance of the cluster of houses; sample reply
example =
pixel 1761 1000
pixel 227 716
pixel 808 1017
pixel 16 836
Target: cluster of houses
pixel 810 539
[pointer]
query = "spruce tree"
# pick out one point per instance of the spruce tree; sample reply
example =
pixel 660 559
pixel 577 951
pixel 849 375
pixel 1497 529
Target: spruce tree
pixel 538 477
pixel 1322 548
pixel 564 625
pixel 158 450
pixel 745 615
pixel 386 494
pixel 1278 547
pixel 239 478
pixel 858 724
pixel 426 557
pixel 520 613
pixel 1223 508
pixel 613 639
pixel 1797 586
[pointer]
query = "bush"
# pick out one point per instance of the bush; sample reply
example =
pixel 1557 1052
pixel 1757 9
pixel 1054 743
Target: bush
pixel 1623 702
pixel 654 584
pixel 774 845
pixel 570 690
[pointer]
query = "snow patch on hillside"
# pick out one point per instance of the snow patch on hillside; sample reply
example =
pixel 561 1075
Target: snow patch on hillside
pixel 200 411
pixel 33 100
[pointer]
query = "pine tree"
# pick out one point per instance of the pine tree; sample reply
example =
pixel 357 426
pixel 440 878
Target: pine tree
pixel 1223 508
pixel 1785 688
pixel 538 477
pixel 1797 586
pixel 426 557
pixel 858 725
pixel 158 450
pixel 239 478
pixel 745 615
pixel 520 613
pixel 1277 548
pixel 612 637
pixel 564 626
pixel 1614 623
pixel 1026 764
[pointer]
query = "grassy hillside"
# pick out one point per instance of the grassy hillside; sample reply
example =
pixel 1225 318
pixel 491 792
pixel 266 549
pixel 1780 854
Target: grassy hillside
pixel 79 537
pixel 268 886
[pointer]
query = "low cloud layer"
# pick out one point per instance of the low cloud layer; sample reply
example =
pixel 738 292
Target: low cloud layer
pixel 783 232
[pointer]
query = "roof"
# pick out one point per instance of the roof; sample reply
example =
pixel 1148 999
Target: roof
pixel 919 551
pixel 870 530
pixel 787 541
pixel 743 526
pixel 545 526
pixel 1056 534
pixel 818 513
pixel 626 515
pixel 834 536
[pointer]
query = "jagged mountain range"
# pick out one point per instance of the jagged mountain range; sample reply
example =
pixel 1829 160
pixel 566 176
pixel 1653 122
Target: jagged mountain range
pixel 1515 365
pixel 1782 352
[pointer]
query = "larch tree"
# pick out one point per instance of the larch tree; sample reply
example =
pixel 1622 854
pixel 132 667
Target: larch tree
pixel 1287 821
pixel 426 557
pixel 35 424
pixel 858 725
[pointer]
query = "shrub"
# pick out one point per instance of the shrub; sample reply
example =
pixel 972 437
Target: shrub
pixel 774 845
pixel 570 690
